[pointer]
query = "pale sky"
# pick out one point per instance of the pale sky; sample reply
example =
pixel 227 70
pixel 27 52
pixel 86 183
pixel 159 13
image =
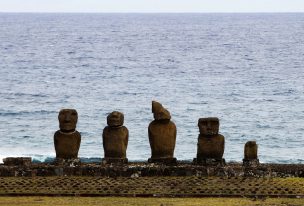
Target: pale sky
pixel 151 6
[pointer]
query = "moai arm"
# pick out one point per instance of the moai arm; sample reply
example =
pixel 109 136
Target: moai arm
pixel 78 141
pixel 127 138
pixel 103 137
pixel 149 134
pixel 55 141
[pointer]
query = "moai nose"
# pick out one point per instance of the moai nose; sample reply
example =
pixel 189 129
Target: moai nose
pixel 67 118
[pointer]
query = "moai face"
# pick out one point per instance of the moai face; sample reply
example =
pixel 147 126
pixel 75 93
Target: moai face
pixel 208 126
pixel 159 112
pixel 115 119
pixel 67 120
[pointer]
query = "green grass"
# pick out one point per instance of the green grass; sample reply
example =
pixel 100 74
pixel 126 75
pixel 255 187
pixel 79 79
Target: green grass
pixel 90 201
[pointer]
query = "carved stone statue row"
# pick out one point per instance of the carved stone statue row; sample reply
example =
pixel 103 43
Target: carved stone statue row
pixel 162 138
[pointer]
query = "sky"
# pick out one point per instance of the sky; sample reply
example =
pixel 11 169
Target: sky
pixel 148 6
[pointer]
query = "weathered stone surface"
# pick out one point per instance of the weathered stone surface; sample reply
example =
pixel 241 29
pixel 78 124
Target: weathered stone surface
pixel 251 154
pixel 136 185
pixel 182 168
pixel 163 160
pixel 115 119
pixel 159 112
pixel 210 147
pixel 162 134
pixel 113 160
pixel 67 144
pixel 67 139
pixel 115 141
pixel 209 126
pixel 18 161
pixel 251 150
pixel 71 162
pixel 210 144
pixel 67 120
pixel 156 107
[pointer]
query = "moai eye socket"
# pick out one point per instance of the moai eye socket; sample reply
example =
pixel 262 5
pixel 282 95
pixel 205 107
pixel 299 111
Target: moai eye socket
pixel 204 123
pixel 214 123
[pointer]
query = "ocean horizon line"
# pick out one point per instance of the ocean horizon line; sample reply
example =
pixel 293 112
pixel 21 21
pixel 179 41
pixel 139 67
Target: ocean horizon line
pixel 150 12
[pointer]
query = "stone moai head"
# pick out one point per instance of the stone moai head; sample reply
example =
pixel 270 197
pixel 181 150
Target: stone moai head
pixel 209 126
pixel 67 120
pixel 115 119
pixel 159 112
pixel 251 150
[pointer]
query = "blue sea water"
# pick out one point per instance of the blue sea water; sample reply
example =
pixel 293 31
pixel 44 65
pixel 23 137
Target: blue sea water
pixel 246 69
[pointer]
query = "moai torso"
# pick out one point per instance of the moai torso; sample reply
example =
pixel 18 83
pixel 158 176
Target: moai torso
pixel 115 136
pixel 162 133
pixel 67 139
pixel 211 144
pixel 162 137
pixel 251 154
pixel 251 150
pixel 67 144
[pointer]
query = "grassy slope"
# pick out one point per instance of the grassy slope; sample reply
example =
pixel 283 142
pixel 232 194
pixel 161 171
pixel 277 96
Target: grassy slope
pixel 90 201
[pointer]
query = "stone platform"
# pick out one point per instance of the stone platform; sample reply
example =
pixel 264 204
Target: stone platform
pixel 143 169
pixel 142 179
pixel 182 186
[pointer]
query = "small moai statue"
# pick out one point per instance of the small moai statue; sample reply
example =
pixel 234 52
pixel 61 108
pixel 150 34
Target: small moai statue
pixel 162 136
pixel 251 154
pixel 115 138
pixel 211 144
pixel 67 139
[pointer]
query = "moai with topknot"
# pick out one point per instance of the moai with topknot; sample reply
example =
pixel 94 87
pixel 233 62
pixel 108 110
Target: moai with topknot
pixel 251 154
pixel 115 139
pixel 67 139
pixel 162 135
pixel 211 144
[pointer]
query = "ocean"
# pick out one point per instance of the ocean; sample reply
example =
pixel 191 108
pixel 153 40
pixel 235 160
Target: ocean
pixel 245 69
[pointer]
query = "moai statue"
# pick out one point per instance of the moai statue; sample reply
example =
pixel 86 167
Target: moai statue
pixel 67 139
pixel 162 135
pixel 115 139
pixel 211 144
pixel 251 154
